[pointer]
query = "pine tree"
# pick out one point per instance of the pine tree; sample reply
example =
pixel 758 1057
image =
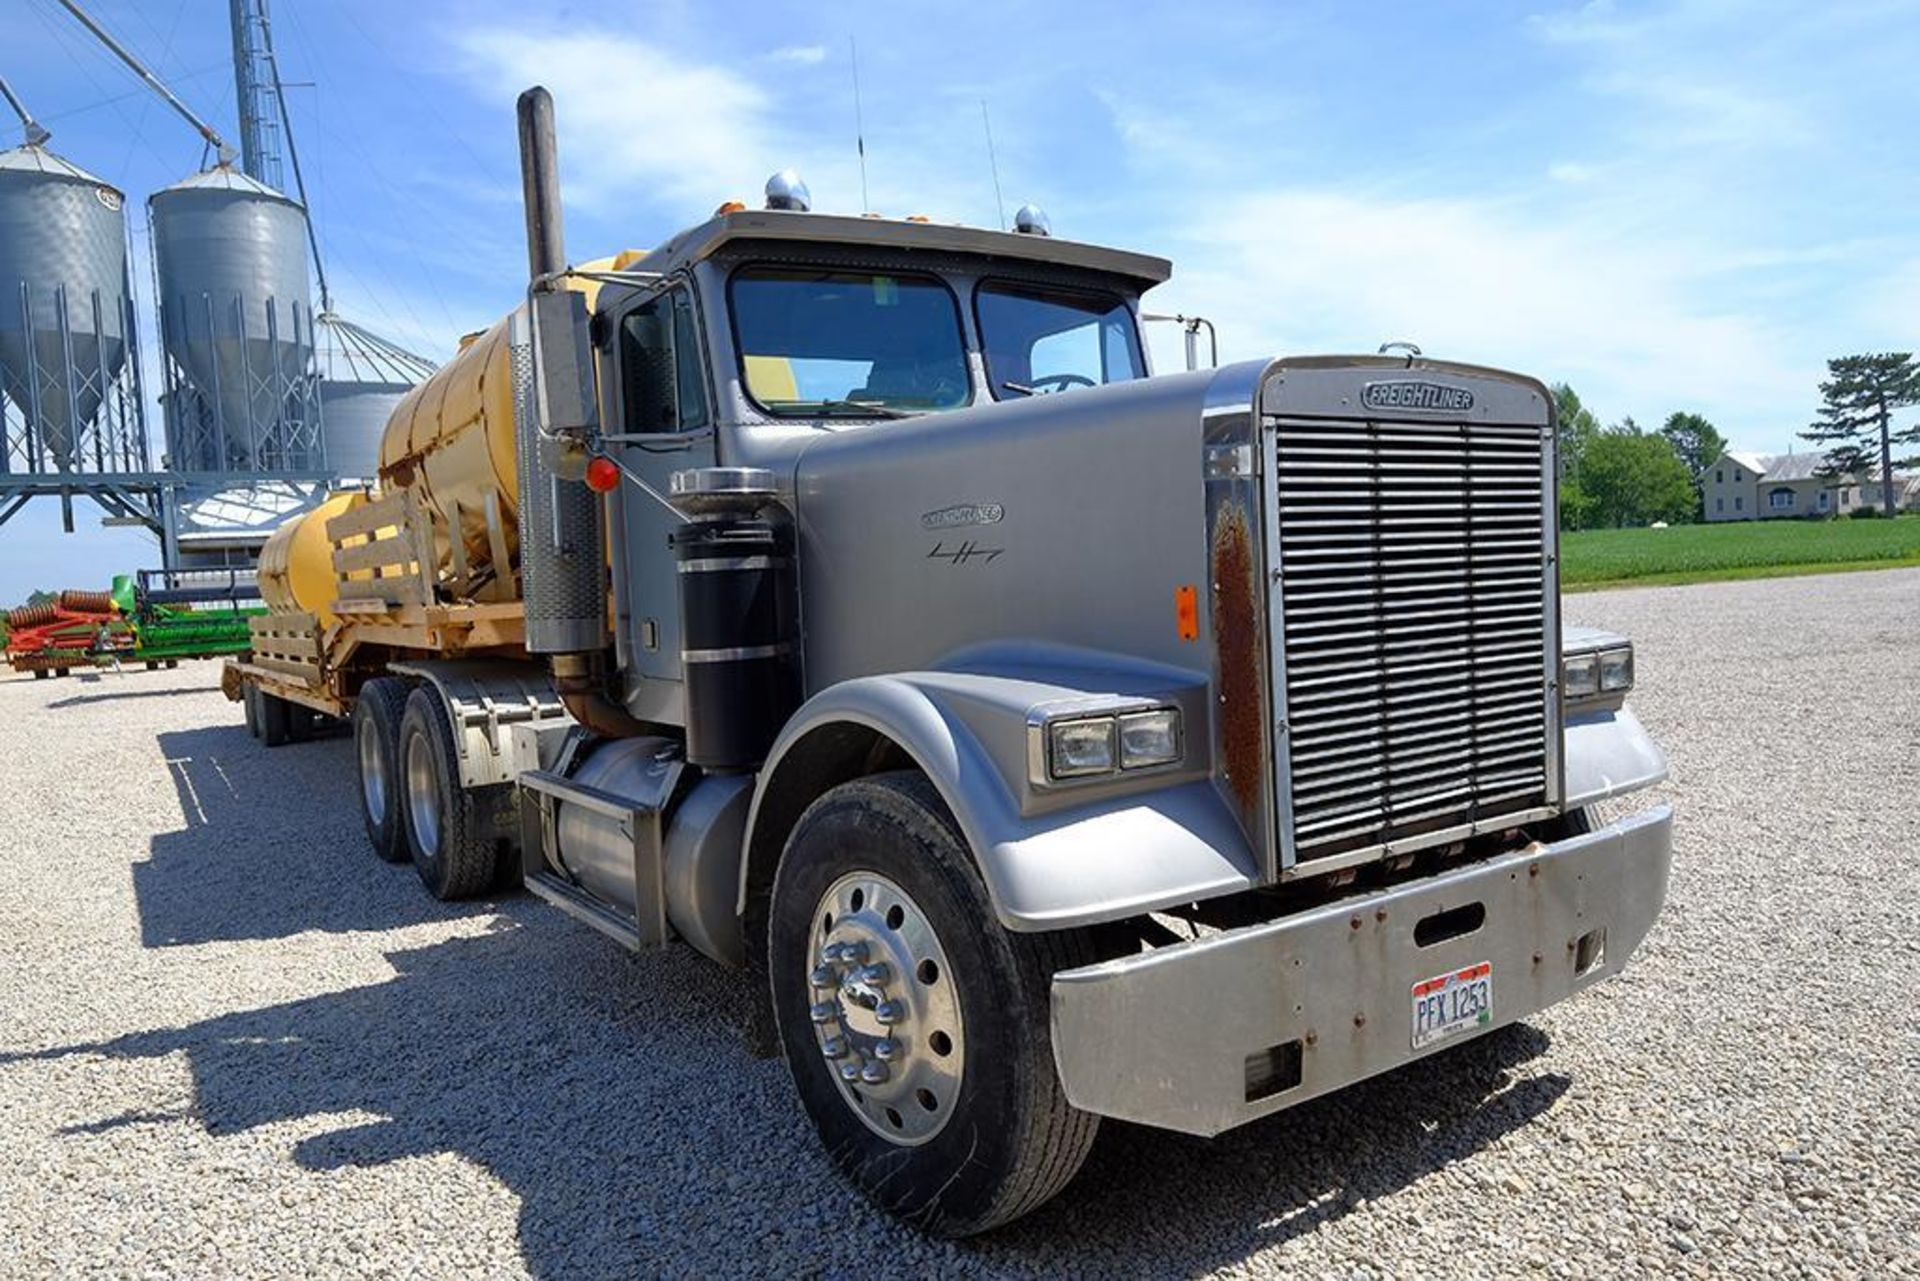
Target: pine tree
pixel 1859 399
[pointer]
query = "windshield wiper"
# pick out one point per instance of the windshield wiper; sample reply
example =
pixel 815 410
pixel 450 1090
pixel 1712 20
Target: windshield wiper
pixel 858 408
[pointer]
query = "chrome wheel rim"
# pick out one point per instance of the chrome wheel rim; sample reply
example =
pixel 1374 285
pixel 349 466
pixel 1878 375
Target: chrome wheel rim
pixel 423 795
pixel 373 772
pixel 885 1011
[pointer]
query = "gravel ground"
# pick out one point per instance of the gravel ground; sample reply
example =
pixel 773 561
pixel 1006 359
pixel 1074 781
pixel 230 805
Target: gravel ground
pixel 233 1043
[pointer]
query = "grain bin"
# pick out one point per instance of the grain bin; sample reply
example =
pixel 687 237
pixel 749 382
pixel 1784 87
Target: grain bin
pixel 230 257
pixel 63 302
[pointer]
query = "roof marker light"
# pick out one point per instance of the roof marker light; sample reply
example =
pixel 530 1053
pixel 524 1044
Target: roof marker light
pixel 786 190
pixel 1031 220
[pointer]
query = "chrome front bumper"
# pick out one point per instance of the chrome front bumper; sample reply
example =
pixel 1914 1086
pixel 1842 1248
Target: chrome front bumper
pixel 1182 1036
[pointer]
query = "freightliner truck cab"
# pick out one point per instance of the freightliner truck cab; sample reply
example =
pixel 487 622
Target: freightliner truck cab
pixel 1053 740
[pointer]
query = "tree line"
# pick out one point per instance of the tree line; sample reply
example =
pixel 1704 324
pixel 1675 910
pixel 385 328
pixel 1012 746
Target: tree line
pixel 1624 475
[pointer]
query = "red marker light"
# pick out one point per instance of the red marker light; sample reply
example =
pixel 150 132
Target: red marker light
pixel 603 474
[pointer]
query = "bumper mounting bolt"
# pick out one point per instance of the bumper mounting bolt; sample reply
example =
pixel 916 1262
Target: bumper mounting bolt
pixel 1359 1020
pixel 1355 922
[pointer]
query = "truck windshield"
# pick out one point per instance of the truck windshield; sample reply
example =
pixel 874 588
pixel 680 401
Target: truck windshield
pixel 819 343
pixel 1041 340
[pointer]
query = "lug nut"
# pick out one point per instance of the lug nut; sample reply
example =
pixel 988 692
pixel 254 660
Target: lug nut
pixel 824 1012
pixel 849 1071
pixel 834 1047
pixel 886 1051
pixel 830 954
pixel 823 976
pixel 890 1011
pixel 854 952
pixel 876 974
pixel 874 1073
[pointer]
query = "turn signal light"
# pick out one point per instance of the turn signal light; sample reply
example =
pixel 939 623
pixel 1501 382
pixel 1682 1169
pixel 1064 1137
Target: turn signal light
pixel 603 474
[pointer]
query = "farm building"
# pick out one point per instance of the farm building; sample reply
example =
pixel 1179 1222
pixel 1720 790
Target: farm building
pixel 1747 486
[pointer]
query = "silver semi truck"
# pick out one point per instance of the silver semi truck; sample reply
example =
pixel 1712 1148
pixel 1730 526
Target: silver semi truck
pixel 1051 741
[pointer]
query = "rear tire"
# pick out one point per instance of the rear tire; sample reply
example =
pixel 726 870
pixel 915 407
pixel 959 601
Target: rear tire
pixel 993 1137
pixel 454 834
pixel 250 703
pixel 377 714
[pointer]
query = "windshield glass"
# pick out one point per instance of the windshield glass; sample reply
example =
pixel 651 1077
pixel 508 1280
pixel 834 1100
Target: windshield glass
pixel 1043 340
pixel 850 343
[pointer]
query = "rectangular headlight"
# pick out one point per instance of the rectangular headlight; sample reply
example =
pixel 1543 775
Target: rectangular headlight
pixel 1149 738
pixel 1580 675
pixel 1616 669
pixel 1076 749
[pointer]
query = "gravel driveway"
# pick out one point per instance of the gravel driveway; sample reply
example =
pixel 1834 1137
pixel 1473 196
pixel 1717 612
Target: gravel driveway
pixel 231 1042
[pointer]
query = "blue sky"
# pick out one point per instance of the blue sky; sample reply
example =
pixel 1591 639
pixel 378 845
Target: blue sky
pixel 1671 206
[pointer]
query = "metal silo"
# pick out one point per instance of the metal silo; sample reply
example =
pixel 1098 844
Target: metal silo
pixel 355 414
pixel 363 378
pixel 230 258
pixel 64 319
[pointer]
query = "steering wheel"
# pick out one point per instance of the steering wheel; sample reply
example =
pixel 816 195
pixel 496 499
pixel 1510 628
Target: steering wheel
pixel 1061 382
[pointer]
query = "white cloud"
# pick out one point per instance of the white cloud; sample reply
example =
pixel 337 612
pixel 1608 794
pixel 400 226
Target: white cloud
pixel 1572 172
pixel 607 101
pixel 807 54
pixel 1618 315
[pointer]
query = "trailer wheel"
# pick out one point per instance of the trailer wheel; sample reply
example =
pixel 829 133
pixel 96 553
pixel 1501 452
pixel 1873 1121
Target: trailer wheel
pixel 250 704
pixel 377 714
pixel 915 1027
pixel 453 834
pixel 39 673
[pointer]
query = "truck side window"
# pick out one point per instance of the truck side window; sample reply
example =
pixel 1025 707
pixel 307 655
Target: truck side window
pixel 660 355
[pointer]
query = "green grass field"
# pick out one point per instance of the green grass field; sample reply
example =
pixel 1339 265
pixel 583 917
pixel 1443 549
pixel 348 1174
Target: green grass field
pixel 1750 549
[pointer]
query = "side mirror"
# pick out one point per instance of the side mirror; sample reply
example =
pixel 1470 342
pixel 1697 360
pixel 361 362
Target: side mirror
pixel 566 402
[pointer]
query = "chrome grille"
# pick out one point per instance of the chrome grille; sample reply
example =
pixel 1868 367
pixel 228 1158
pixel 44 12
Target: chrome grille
pixel 1415 610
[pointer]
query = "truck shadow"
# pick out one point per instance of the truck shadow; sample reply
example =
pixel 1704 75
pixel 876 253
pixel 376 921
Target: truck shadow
pixel 272 846
pixel 121 695
pixel 613 1098
pixel 1213 1203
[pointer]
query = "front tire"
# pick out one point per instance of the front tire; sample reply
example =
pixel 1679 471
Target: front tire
pixel 915 1026
pixel 377 714
pixel 454 834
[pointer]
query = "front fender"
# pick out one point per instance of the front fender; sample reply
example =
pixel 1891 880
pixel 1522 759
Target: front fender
pixel 1609 752
pixel 1108 852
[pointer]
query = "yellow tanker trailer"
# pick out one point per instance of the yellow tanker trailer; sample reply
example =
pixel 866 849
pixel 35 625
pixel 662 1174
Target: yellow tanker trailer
pixel 424 567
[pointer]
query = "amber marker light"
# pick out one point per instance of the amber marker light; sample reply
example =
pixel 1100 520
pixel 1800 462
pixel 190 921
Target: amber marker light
pixel 603 474
pixel 1186 611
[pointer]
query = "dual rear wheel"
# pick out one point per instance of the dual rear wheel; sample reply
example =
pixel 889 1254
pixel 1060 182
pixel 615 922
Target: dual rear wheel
pixel 459 839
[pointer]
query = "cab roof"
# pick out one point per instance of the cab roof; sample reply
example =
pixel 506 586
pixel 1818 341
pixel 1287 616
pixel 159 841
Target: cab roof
pixel 701 242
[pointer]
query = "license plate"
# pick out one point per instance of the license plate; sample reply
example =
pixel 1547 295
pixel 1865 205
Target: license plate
pixel 1453 1003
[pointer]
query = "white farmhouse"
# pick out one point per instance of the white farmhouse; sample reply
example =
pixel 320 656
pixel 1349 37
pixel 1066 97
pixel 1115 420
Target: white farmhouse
pixel 1747 486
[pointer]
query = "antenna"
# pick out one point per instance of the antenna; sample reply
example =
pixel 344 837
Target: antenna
pixel 205 130
pixel 36 135
pixel 859 125
pixel 1000 203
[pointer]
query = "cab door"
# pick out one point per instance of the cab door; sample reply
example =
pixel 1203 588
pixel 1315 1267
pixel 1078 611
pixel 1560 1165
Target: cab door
pixel 663 424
